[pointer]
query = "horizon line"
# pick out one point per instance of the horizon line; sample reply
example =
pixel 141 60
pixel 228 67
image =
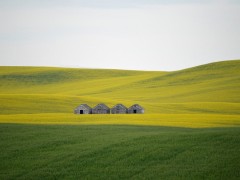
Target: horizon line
pixel 102 68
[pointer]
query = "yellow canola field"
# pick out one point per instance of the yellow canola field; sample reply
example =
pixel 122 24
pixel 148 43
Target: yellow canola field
pixel 202 96
pixel 172 120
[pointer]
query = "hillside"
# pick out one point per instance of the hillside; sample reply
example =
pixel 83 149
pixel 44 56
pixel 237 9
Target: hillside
pixel 190 129
pixel 210 88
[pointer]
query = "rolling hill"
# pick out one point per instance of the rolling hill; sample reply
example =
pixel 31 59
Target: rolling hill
pixel 211 88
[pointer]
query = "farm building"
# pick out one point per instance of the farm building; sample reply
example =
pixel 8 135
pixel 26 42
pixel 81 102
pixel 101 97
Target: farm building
pixel 101 109
pixel 135 109
pixel 119 109
pixel 83 109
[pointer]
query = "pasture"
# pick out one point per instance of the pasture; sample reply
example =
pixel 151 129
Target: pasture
pixel 118 152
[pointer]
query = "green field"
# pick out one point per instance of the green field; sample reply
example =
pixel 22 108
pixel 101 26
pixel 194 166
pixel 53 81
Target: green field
pixel 118 152
pixel 191 128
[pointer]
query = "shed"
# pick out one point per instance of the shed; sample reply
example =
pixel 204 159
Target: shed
pixel 101 109
pixel 136 109
pixel 119 109
pixel 83 109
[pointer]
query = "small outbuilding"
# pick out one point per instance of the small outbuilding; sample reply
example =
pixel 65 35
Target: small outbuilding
pixel 119 109
pixel 83 109
pixel 136 109
pixel 101 109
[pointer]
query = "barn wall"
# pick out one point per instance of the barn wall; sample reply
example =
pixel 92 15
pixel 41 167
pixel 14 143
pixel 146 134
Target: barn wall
pixel 100 110
pixel 119 111
pixel 138 110
pixel 85 110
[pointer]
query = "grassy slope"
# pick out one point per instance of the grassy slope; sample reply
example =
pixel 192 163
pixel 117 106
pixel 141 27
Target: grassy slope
pixel 212 88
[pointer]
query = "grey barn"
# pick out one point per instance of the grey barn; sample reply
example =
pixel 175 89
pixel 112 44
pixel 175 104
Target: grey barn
pixel 101 109
pixel 135 109
pixel 83 109
pixel 119 109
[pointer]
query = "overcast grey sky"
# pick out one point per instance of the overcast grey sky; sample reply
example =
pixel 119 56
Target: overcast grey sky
pixel 126 34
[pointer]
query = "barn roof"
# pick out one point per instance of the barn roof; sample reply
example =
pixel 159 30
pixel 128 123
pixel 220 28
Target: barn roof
pixel 101 105
pixel 119 105
pixel 85 105
pixel 136 105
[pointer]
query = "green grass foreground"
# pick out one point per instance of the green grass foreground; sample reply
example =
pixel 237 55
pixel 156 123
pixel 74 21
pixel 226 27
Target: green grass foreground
pixel 118 152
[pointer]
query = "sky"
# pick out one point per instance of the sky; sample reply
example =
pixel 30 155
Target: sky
pixel 128 34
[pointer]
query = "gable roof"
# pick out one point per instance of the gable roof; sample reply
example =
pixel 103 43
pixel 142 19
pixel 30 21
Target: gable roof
pixel 136 106
pixel 84 105
pixel 119 105
pixel 104 106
